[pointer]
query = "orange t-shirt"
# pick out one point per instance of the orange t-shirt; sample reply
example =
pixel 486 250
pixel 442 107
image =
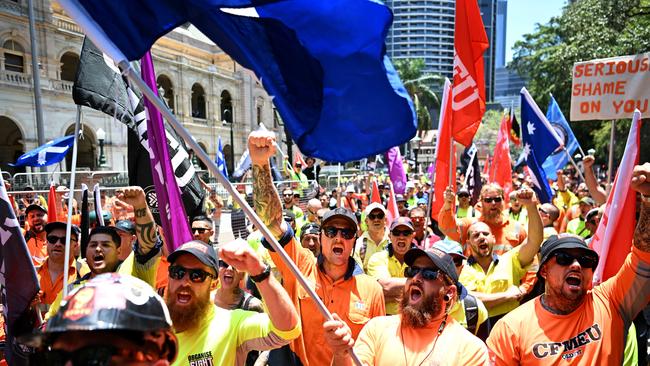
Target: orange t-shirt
pixel 383 341
pixel 356 300
pixel 162 276
pixel 594 334
pixel 51 289
pixel 37 246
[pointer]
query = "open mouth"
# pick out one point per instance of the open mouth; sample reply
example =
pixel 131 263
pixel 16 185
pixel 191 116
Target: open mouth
pixel 98 259
pixel 574 281
pixel 337 250
pixel 415 294
pixel 227 279
pixel 183 298
pixel 483 247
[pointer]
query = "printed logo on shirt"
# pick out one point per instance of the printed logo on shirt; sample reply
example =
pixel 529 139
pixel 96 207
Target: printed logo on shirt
pixel 201 359
pixel 569 347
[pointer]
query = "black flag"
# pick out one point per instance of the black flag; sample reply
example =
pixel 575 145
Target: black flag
pixel 99 85
pixel 469 164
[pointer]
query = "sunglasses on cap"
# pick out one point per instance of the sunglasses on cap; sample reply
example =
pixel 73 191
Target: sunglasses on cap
pixel 346 233
pixel 53 239
pixel 196 275
pixel 427 273
pixel 379 216
pixel 566 259
pixel 397 232
pixel 201 230
pixel 492 199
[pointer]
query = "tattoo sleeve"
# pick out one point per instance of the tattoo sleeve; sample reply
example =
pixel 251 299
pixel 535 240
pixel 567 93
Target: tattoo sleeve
pixel 266 199
pixel 642 232
pixel 145 229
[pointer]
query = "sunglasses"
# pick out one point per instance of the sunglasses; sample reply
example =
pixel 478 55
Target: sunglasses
pixel 463 195
pixel 401 232
pixel 332 231
pixel 53 239
pixel 492 199
pixel 427 273
pixel 566 259
pixel 458 261
pixel 288 195
pixel 378 216
pixel 92 355
pixel 201 230
pixel 196 275
pixel 223 264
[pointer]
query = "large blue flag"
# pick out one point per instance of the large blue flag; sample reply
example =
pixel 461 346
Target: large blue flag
pixel 559 158
pixel 540 140
pixel 323 61
pixel 220 160
pixel 48 154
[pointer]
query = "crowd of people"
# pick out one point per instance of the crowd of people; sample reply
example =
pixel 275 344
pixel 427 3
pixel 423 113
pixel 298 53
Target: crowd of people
pixel 505 280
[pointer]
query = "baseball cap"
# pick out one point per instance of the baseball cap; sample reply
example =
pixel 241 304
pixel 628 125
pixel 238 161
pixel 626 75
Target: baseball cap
pixel 449 246
pixel 463 191
pixel 309 228
pixel 374 206
pixel 288 215
pixel 202 251
pixel 588 201
pixel 62 225
pixel 400 198
pixel 342 213
pixel 125 225
pixel 593 212
pixel 402 221
pixel 442 260
pixel 563 241
pixel 33 207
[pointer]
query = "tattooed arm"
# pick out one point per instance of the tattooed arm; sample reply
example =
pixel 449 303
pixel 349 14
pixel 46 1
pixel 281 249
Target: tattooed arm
pixel 641 184
pixel 145 227
pixel 266 199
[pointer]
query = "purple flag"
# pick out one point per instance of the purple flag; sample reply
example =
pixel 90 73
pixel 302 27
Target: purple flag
pixel 396 170
pixel 167 191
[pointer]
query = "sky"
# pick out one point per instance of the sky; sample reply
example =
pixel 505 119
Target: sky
pixel 524 14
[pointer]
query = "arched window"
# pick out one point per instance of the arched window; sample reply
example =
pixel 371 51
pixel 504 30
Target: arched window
pixel 69 65
pixel 14 55
pixel 11 145
pixel 166 90
pixel 198 101
pixel 87 149
pixel 226 107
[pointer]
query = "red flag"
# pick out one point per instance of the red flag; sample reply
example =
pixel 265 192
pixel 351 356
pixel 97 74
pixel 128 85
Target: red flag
pixel 613 238
pixel 470 41
pixel 52 207
pixel 443 150
pixel 374 193
pixel 393 212
pixel 501 167
pixel 486 167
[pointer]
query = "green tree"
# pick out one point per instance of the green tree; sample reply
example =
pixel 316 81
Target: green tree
pixel 586 30
pixel 420 87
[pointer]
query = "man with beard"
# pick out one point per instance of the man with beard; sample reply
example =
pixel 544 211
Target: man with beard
pixel 423 332
pixel 337 279
pixel 574 322
pixel 507 233
pixel 496 280
pixel 388 266
pixel 211 335
pixel 35 235
pixel 375 238
pixel 287 198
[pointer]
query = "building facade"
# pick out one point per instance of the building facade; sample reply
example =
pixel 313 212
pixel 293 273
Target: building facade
pixel 208 92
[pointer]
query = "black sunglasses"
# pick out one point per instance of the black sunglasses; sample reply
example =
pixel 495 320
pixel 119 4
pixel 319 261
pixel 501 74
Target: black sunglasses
pixel 396 232
pixel 427 273
pixel 458 261
pixel 566 259
pixel 201 230
pixel 492 199
pixel 463 195
pixel 196 275
pixel 53 239
pixel 223 264
pixel 97 355
pixel 379 216
pixel 346 233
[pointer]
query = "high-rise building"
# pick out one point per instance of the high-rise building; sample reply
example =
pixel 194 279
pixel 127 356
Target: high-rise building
pixel 500 41
pixel 489 14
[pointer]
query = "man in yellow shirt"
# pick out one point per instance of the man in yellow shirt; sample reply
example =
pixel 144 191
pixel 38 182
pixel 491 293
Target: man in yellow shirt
pixel 375 238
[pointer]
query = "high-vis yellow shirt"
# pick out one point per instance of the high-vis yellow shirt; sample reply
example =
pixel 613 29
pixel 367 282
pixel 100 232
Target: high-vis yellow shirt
pixel 382 266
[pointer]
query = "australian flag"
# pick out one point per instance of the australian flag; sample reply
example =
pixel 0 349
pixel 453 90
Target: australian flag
pixel 540 140
pixel 220 160
pixel 559 158
pixel 48 154
pixel 17 279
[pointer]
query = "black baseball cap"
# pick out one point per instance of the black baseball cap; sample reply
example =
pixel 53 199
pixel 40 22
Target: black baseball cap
pixel 125 225
pixel 202 251
pixel 62 225
pixel 309 228
pixel 402 221
pixel 442 260
pixel 563 241
pixel 33 207
pixel 339 212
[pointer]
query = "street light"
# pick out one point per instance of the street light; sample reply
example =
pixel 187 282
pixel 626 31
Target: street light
pixel 415 142
pixel 101 136
pixel 224 122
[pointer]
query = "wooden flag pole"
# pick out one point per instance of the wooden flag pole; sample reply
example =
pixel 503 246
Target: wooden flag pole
pixel 68 228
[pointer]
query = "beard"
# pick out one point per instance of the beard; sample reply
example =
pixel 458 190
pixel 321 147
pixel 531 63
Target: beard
pixel 187 317
pixel 422 313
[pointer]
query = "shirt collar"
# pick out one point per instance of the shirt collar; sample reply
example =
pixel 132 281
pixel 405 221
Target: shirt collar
pixel 471 260
pixel 353 267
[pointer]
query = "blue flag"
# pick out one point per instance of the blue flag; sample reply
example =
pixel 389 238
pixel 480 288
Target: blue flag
pixel 220 160
pixel 243 165
pixel 540 141
pixel 559 158
pixel 48 154
pixel 323 61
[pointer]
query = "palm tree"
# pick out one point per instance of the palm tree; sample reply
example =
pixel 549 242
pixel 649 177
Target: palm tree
pixel 420 89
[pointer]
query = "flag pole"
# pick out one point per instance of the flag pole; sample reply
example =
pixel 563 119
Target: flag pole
pixel 68 228
pixel 574 163
pixel 451 162
pixel 185 134
pixel 612 140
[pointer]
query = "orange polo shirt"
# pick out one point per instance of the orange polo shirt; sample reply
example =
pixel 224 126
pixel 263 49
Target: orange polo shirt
pixel 356 298
pixel 162 276
pixel 51 289
pixel 37 246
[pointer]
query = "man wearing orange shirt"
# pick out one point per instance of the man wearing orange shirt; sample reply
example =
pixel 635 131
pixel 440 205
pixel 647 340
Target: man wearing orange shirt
pixel 35 236
pixel 337 279
pixel 423 332
pixel 507 233
pixel 573 323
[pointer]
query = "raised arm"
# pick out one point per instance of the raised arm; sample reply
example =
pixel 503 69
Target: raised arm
pixel 641 184
pixel 530 247
pixel 446 220
pixel 597 193
pixel 145 227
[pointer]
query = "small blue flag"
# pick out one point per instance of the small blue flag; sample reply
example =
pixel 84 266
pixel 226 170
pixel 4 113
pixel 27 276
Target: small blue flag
pixel 220 160
pixel 243 165
pixel 48 154
pixel 559 158
pixel 540 141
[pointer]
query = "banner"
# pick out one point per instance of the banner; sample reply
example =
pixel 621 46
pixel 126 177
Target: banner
pixel 611 88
